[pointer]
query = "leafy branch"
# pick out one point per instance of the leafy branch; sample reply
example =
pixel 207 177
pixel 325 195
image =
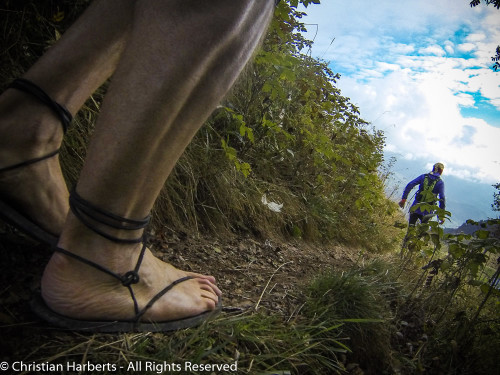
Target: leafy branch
pixel 496 3
pixel 462 261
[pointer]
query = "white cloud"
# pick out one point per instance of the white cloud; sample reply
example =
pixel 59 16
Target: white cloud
pixel 465 100
pixel 432 50
pixel 400 48
pixel 475 37
pixel 385 67
pixel 399 64
pixel 449 47
pixel 466 47
pixel 409 156
pixel 496 103
pixel 425 116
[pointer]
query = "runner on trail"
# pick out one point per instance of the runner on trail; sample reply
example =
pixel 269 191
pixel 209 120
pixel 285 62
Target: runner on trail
pixel 430 191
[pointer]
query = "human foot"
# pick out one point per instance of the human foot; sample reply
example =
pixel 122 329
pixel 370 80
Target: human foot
pixel 110 279
pixel 33 192
pixel 79 291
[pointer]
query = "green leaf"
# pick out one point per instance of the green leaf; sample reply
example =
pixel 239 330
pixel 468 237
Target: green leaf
pixel 245 169
pixel 485 288
pixel 456 250
pixel 482 234
pixel 473 268
pixel 267 87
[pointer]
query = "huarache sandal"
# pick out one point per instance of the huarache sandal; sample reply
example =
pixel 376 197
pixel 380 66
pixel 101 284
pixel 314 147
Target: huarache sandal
pixel 9 212
pixel 90 215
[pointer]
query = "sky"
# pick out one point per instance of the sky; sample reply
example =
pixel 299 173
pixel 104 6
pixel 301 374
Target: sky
pixel 421 72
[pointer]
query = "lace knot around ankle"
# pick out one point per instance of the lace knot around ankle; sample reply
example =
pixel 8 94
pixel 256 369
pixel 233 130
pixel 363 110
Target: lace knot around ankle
pixel 131 277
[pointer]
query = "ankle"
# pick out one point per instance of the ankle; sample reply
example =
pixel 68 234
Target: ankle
pixel 82 241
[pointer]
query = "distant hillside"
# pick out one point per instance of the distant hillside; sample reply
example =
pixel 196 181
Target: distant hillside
pixel 466 228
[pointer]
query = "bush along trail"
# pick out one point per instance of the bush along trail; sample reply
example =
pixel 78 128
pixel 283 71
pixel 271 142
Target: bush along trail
pixel 281 197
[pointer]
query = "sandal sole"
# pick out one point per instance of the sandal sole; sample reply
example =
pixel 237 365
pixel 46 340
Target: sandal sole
pixel 40 308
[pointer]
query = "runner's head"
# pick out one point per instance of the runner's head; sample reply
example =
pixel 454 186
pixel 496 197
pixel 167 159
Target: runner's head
pixel 438 168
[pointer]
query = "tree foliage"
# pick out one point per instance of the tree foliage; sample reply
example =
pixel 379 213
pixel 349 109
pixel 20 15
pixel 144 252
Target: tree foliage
pixel 496 198
pixel 496 3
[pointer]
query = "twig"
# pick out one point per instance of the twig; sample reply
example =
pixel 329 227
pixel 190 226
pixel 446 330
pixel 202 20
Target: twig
pixel 268 282
pixel 85 354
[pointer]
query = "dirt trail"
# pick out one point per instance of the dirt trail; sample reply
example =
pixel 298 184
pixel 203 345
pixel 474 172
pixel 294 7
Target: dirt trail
pixel 250 272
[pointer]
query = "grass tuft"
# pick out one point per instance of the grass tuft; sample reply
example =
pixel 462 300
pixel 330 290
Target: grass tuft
pixel 360 298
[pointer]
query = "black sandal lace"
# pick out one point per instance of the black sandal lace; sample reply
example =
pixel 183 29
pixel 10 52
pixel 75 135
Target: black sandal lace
pixel 96 219
pixel 61 112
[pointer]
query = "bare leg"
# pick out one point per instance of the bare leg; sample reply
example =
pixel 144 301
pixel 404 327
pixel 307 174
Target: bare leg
pixel 182 59
pixel 69 72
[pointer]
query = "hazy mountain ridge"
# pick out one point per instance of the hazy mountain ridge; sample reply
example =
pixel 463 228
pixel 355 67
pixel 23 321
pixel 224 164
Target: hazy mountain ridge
pixel 467 228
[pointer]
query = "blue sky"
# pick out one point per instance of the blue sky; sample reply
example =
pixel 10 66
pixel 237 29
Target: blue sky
pixel 421 72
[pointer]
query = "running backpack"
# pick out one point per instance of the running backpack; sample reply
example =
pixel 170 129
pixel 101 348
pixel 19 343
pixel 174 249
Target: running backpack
pixel 425 195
